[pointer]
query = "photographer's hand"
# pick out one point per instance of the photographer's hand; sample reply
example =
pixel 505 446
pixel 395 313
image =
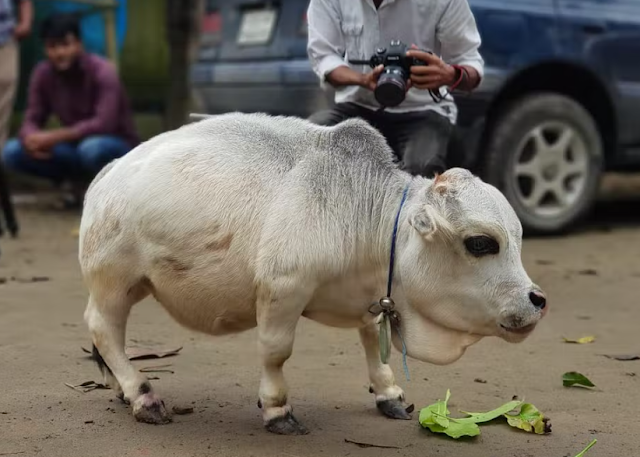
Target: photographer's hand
pixel 345 76
pixel 369 80
pixel 433 75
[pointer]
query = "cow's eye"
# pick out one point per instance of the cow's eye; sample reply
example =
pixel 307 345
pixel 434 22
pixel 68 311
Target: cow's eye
pixel 479 246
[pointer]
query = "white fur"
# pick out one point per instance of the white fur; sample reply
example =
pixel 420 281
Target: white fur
pixel 248 219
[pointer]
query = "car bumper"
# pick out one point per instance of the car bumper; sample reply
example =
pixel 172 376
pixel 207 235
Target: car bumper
pixel 276 87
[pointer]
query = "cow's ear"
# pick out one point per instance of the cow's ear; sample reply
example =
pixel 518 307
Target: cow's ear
pixel 423 220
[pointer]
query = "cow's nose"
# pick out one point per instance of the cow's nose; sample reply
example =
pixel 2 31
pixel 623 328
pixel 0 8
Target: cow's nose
pixel 538 299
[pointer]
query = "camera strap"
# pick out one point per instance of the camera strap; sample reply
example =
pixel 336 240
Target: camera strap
pixel 437 95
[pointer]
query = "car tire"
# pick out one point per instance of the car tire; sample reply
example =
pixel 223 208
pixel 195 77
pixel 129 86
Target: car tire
pixel 551 187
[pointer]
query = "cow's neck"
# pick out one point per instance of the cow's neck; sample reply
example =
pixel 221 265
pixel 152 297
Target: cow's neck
pixel 383 234
pixel 386 215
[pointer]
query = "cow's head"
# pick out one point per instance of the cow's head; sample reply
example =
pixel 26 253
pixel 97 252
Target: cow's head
pixel 459 263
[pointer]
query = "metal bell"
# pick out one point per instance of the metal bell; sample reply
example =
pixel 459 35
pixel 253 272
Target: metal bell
pixel 386 303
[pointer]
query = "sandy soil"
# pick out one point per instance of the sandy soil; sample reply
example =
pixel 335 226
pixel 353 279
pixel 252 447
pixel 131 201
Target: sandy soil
pixel 592 278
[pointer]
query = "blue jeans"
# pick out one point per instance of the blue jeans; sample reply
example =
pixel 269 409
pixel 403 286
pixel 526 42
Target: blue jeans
pixel 74 162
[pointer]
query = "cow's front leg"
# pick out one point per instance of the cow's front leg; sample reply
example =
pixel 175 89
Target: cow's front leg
pixel 389 397
pixel 280 305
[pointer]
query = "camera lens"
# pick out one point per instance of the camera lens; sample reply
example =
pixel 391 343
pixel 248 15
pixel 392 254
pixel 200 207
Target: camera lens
pixel 391 87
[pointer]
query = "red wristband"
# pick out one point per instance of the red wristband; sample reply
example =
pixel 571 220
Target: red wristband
pixel 460 78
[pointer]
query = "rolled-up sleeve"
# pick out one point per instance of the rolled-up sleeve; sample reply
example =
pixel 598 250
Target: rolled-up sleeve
pixel 105 116
pixel 38 108
pixel 325 46
pixel 459 37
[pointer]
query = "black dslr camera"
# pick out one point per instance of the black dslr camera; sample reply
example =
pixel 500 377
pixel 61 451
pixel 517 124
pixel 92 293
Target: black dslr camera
pixel 392 83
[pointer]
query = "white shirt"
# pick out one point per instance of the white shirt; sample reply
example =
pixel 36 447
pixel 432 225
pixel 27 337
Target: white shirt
pixel 352 29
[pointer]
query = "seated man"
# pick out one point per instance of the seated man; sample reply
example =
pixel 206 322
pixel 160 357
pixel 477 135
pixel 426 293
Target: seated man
pixel 84 92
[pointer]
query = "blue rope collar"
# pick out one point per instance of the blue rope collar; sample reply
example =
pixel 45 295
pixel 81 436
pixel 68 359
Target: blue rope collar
pixel 394 236
pixel 386 304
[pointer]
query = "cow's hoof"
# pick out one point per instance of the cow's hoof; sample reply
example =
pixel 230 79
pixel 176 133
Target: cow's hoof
pixel 286 425
pixel 120 396
pixel 150 409
pixel 395 409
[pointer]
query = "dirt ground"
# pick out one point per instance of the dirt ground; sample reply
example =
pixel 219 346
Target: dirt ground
pixel 592 278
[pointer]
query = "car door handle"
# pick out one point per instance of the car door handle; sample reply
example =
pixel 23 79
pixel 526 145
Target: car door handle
pixel 594 29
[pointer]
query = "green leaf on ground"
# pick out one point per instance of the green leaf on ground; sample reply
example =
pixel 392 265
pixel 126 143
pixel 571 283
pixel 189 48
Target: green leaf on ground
pixel 574 378
pixel 490 415
pixel 437 413
pixel 441 411
pixel 587 448
pixel 436 418
pixel 457 429
pixel 529 419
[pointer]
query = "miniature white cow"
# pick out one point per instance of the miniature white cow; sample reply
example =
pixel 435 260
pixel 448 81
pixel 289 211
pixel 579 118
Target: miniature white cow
pixel 245 220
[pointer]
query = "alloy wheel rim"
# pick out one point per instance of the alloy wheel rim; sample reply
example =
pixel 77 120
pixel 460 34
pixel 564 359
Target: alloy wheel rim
pixel 550 169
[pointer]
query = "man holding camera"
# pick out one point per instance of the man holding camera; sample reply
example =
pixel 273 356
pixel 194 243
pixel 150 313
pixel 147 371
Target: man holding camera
pixel 419 127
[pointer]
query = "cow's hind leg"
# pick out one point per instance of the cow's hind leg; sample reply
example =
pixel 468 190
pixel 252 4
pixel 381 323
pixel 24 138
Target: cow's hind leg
pixel 106 316
pixel 389 397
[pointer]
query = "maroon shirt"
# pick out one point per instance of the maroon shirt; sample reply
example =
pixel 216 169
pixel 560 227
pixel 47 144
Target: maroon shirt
pixel 93 102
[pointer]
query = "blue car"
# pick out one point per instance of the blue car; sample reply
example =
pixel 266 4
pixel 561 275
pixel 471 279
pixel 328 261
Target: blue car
pixel 559 104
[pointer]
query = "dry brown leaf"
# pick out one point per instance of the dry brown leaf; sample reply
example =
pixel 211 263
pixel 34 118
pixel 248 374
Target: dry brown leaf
pixel 86 386
pixel 623 357
pixel 144 353
pixel 157 369
pixel 135 353
pixel 583 340
pixel 182 410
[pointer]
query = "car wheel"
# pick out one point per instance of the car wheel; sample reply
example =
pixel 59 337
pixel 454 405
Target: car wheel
pixel 545 154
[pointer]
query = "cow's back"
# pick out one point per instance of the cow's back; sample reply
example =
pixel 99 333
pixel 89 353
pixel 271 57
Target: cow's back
pixel 219 147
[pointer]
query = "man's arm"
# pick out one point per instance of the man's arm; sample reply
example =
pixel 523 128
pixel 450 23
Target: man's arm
pixel 38 110
pixel 460 41
pixel 325 48
pixel 25 19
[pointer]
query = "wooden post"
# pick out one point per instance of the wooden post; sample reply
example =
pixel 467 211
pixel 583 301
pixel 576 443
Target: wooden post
pixel 110 35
